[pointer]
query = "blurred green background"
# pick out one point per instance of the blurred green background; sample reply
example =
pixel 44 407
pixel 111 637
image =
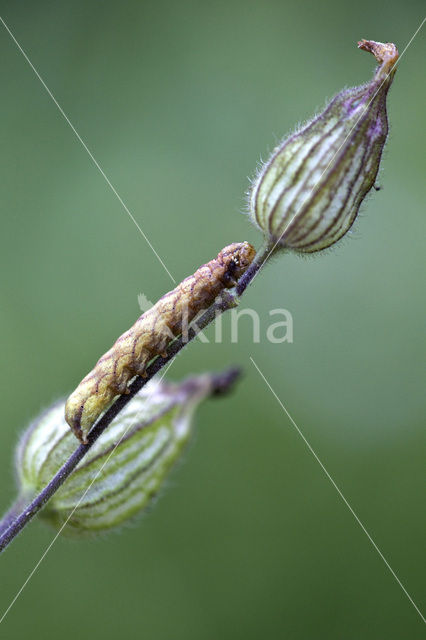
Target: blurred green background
pixel 178 101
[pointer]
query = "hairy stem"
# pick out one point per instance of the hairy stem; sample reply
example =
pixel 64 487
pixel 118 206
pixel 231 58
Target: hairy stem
pixel 20 514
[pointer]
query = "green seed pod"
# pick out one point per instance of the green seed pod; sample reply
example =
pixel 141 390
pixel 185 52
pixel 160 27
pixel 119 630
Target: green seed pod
pixel 126 466
pixel 307 196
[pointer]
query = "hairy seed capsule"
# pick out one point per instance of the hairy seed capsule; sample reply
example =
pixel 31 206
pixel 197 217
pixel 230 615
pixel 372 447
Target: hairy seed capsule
pixel 128 463
pixel 308 194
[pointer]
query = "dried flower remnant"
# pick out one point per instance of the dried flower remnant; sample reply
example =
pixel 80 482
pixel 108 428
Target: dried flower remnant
pixel 307 196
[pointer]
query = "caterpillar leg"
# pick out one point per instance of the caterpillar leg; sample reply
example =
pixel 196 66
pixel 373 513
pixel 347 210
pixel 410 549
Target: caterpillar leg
pixel 122 388
pixel 119 387
pixel 162 345
pixel 122 376
pixel 138 368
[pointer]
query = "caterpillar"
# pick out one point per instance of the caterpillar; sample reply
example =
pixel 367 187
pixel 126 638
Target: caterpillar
pixel 150 336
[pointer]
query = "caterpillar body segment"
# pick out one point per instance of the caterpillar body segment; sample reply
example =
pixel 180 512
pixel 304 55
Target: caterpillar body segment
pixel 151 334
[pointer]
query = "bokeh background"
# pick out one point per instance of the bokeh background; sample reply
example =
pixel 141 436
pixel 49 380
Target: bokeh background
pixel 178 101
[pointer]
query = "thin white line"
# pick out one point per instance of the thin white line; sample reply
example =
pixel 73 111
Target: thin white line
pixel 337 151
pixel 411 40
pixel 80 139
pixel 72 512
pixel 339 492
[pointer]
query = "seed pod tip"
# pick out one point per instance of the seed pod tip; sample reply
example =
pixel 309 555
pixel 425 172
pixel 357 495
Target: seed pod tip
pixel 385 53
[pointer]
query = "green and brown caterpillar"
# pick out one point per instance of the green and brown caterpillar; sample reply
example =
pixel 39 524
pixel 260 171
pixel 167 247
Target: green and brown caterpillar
pixel 151 334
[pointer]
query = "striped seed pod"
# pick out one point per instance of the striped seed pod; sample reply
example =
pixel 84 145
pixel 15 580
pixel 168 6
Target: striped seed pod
pixel 307 196
pixel 151 334
pixel 127 465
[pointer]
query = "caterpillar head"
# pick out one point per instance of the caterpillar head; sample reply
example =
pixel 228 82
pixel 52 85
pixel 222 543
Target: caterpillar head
pixel 236 258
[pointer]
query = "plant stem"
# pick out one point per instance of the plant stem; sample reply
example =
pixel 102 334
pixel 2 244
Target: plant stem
pixel 14 511
pixel 19 515
pixel 261 257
